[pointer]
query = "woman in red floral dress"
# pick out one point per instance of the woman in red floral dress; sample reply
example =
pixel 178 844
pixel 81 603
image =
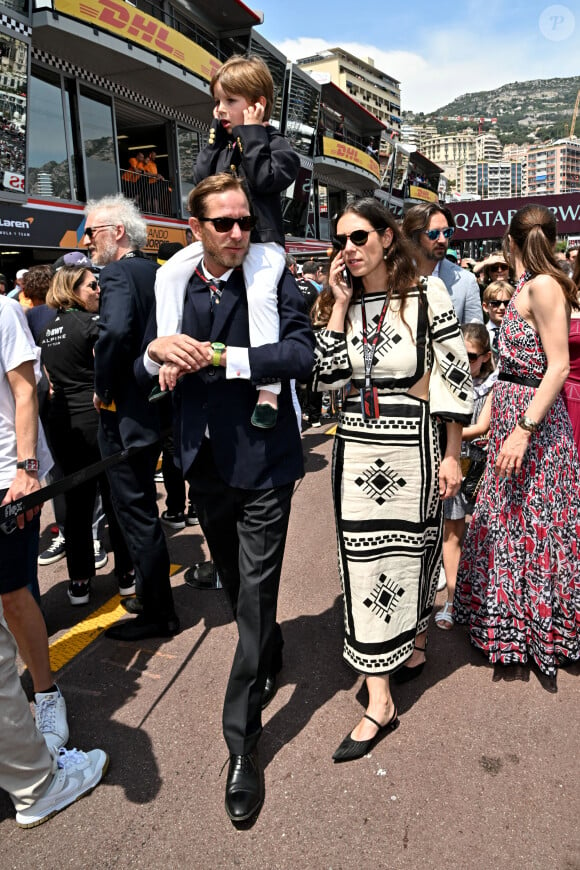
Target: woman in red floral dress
pixel 518 585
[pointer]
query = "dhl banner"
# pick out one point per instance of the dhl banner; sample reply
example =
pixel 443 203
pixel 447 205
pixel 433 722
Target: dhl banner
pixel 422 193
pixel 350 154
pixel 126 21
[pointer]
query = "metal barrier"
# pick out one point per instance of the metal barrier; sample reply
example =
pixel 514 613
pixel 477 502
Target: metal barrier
pixel 151 194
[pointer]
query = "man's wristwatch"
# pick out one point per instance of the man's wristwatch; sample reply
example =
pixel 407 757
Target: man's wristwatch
pixel 218 351
pixel 28 464
pixel 528 424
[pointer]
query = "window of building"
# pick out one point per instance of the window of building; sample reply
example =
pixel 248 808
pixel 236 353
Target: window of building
pixel 98 144
pixel 50 168
pixel 188 146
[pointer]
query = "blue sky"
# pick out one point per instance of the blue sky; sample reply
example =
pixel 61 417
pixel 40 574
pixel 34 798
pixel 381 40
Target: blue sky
pixel 438 51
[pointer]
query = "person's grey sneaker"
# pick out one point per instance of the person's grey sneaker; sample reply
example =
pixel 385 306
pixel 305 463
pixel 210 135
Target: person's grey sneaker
pixel 173 521
pixel 101 555
pixel 127 584
pixel 50 715
pixel 79 592
pixel 77 774
pixel 55 552
pixel 192 518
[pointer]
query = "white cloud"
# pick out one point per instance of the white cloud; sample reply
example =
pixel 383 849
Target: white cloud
pixel 452 64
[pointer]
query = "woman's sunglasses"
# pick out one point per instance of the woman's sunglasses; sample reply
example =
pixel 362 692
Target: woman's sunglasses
pixel 94 285
pixel 226 224
pixel 473 357
pixel 433 235
pixel 358 238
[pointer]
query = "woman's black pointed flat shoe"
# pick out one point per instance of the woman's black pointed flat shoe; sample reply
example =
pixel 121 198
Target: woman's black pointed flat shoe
pixel 350 750
pixel 405 673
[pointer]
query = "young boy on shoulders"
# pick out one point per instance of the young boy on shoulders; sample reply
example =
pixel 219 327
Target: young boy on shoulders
pixel 242 142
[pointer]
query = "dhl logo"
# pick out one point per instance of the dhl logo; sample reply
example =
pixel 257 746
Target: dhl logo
pixel 133 23
pixel 142 29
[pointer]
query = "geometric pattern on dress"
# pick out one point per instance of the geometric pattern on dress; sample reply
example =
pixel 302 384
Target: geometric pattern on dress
pixel 380 482
pixel 457 377
pixel 384 598
pixel 388 338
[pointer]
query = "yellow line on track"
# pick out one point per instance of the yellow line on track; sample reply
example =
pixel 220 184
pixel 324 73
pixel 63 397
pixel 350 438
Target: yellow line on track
pixel 77 638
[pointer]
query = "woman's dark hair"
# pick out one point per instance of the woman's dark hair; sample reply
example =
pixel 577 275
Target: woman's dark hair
pixel 478 334
pixel 576 274
pixel 534 230
pixel 398 257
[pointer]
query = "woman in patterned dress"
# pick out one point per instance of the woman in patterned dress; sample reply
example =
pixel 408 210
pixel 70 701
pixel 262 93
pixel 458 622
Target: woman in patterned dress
pixel 571 391
pixel 409 366
pixel 519 579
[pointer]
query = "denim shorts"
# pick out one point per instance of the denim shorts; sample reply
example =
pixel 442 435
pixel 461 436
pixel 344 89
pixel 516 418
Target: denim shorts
pixel 18 554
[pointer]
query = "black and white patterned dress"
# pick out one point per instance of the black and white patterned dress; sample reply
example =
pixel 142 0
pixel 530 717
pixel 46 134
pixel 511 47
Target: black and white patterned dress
pixel 385 471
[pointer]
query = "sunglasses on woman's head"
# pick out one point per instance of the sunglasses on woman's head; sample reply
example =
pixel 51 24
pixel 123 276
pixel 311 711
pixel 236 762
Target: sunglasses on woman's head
pixel 226 224
pixel 357 237
pixel 433 235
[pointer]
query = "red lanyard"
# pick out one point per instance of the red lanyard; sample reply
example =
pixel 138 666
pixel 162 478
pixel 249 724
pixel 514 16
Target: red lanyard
pixel 214 286
pixel 369 350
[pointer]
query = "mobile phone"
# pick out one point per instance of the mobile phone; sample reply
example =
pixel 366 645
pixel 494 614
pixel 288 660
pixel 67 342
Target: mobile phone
pixel 346 277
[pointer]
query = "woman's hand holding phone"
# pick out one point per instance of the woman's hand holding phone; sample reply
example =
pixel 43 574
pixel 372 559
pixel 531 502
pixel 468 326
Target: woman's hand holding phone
pixel 340 280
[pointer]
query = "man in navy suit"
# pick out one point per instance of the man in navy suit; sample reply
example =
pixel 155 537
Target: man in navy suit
pixel 430 228
pixel 114 233
pixel 242 478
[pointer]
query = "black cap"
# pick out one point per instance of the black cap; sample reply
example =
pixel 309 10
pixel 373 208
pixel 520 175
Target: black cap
pixel 166 250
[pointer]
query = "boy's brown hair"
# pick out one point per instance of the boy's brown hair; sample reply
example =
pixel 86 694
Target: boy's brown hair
pixel 493 290
pixel 248 77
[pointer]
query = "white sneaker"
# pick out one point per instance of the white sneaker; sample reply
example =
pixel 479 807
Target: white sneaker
pixel 78 773
pixel 50 714
pixel 442 582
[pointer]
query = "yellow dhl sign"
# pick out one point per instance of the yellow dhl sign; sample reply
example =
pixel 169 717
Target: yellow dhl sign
pixel 144 30
pixel 422 193
pixel 350 154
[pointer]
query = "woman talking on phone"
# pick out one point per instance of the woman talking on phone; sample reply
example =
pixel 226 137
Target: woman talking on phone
pixel 395 338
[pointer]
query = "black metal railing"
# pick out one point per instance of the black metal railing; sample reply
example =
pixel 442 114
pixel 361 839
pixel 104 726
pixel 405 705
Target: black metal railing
pixel 153 195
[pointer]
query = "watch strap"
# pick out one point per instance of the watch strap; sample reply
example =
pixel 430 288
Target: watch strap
pixel 28 464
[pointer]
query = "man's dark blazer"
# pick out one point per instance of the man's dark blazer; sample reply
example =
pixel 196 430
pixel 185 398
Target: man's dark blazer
pixel 246 457
pixel 127 299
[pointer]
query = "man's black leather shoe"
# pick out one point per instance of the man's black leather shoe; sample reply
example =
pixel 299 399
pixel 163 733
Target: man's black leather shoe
pixel 270 690
pixel 132 605
pixel 271 686
pixel 244 788
pixel 143 627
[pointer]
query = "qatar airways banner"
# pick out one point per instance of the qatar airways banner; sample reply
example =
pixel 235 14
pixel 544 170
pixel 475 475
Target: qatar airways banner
pixel 490 218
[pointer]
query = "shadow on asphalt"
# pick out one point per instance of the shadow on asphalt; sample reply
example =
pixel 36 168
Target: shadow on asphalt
pixel 312 656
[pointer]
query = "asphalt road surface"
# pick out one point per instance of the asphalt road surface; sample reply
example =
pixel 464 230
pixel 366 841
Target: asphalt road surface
pixel 479 774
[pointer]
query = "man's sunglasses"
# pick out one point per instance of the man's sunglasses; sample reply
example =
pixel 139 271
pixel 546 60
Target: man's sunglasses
pixel 226 224
pixel 90 231
pixel 433 235
pixel 358 238
pixel 495 303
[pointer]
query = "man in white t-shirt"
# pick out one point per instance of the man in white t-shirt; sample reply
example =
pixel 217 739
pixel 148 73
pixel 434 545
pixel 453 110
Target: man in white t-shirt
pixel 24 460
